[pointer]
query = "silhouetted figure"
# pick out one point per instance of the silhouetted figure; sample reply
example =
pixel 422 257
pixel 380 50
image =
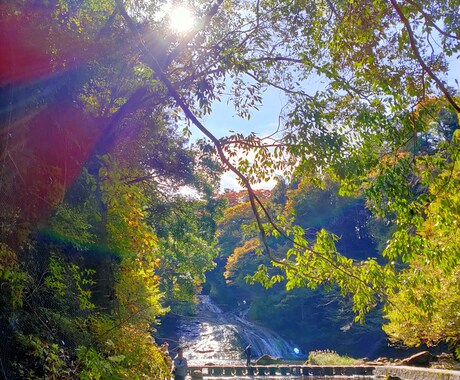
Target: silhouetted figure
pixel 180 365
pixel 247 351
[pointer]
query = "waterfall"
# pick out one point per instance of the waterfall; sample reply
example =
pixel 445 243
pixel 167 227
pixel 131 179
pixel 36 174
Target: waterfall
pixel 214 336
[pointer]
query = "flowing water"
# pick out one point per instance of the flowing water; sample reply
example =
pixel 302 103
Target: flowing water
pixel 217 337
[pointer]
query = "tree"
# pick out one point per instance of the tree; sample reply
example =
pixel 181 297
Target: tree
pixel 325 320
pixel 433 258
pixel 82 166
pixel 377 64
pixel 356 128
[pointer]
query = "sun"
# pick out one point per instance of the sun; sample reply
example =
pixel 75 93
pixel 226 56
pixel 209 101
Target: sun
pixel 181 19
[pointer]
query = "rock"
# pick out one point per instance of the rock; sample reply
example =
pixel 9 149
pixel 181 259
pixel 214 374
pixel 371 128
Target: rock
pixel 420 359
pixel 375 363
pixel 445 356
pixel 445 361
pixel 379 362
pixel 197 375
pixel 267 360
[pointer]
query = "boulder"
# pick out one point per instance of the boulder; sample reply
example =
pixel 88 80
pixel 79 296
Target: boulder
pixel 421 359
pixel 267 360
pixel 445 361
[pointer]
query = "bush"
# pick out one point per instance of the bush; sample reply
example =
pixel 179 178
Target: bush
pixel 328 357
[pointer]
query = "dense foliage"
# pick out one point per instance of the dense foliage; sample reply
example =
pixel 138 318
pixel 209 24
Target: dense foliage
pixel 313 319
pixel 100 235
pixel 384 125
pixel 96 238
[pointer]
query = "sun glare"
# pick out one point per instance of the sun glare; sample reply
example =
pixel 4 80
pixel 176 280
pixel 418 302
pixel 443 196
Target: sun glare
pixel 181 19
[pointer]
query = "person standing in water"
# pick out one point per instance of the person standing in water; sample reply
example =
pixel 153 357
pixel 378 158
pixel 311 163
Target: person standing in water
pixel 180 365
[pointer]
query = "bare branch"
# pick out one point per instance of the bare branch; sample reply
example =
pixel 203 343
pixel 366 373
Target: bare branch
pixel 347 86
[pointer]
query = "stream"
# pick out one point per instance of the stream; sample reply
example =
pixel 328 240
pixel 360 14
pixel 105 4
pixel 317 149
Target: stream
pixel 217 337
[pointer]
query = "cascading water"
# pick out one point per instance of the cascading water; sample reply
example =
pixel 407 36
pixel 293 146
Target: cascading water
pixel 213 336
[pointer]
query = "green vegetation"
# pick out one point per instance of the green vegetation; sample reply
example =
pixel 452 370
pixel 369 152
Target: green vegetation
pixel 328 357
pixel 324 318
pixel 109 214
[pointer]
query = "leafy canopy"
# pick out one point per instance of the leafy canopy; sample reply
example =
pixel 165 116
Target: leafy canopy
pixel 102 85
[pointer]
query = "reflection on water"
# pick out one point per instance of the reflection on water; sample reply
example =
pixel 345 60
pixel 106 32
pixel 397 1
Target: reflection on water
pixel 213 336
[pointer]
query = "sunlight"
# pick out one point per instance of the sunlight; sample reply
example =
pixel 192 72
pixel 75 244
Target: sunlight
pixel 181 19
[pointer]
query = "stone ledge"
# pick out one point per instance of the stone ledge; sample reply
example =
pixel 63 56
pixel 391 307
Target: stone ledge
pixel 392 372
pixel 416 373
pixel 285 370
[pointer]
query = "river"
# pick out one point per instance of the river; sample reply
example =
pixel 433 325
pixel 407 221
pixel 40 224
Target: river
pixel 213 336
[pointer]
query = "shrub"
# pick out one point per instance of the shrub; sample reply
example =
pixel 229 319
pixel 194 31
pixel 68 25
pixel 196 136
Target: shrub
pixel 329 357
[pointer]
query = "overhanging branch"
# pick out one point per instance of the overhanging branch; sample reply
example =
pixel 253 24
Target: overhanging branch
pixel 419 58
pixel 158 71
pixel 255 202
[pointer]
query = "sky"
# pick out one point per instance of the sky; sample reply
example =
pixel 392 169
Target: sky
pixel 264 121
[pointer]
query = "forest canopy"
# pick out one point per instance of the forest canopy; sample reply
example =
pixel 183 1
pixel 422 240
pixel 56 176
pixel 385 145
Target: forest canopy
pixel 99 238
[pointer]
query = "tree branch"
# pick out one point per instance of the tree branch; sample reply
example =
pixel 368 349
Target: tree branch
pixel 254 200
pixel 157 69
pixel 430 22
pixel 131 105
pixel 186 39
pixel 347 86
pixel 419 58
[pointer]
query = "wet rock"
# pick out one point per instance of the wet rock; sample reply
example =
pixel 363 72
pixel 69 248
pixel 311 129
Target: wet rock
pixel 445 361
pixel 375 364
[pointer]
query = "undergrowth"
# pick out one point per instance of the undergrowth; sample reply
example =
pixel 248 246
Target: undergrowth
pixel 329 357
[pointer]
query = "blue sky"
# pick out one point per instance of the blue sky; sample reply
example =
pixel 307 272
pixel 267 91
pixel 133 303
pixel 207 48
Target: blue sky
pixel 265 120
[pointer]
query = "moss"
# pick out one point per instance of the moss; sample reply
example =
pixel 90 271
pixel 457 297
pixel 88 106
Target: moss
pixel 267 360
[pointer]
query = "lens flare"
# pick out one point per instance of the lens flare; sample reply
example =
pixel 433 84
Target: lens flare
pixel 181 19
